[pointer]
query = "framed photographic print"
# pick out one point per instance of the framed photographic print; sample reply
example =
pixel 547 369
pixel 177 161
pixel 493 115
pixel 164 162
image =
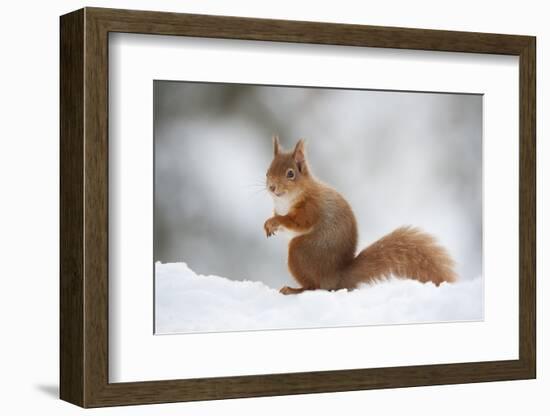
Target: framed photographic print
pixel 255 207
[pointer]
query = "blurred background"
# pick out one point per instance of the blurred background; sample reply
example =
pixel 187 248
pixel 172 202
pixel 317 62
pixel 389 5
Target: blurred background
pixel 399 158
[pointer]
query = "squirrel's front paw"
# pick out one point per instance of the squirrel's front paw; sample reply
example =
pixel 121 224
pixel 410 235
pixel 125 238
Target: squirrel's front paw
pixel 271 226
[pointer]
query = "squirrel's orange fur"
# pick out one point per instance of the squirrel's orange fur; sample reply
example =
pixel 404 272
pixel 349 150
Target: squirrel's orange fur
pixel 321 253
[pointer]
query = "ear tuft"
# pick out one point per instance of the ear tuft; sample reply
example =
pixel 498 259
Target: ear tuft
pixel 299 155
pixel 276 145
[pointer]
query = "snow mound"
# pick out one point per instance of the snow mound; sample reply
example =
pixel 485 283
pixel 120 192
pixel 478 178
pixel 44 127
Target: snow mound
pixel 187 302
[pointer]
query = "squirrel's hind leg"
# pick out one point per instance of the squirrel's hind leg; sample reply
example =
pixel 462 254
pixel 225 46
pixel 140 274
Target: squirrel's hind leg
pixel 286 290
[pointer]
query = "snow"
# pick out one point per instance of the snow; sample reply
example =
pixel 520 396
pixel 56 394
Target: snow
pixel 187 302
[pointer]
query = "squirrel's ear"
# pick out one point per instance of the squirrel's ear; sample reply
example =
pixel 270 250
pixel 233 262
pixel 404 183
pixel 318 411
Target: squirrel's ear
pixel 299 155
pixel 276 145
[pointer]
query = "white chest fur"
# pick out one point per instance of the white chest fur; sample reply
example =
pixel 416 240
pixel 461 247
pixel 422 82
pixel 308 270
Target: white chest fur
pixel 282 206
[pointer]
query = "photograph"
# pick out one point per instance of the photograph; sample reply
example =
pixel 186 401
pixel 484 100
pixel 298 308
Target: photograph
pixel 279 205
pixel 294 207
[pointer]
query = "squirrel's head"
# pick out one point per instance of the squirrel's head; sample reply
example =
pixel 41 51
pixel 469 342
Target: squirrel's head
pixel 287 171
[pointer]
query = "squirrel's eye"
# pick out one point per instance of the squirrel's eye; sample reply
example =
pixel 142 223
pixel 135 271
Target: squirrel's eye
pixel 290 174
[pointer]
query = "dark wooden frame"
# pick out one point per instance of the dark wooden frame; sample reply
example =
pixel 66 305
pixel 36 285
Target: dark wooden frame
pixel 84 208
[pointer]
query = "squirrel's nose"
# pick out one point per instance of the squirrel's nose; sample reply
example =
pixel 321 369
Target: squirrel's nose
pixel 272 188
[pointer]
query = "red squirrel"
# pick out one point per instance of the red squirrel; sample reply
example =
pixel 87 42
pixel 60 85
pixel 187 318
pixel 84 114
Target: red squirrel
pixel 322 250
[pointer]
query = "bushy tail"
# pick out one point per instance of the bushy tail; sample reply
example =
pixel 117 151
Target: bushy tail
pixel 406 252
